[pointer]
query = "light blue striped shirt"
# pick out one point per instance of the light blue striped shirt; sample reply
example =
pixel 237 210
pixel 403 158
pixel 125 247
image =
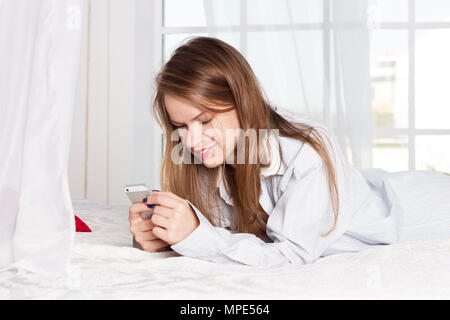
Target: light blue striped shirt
pixel 298 204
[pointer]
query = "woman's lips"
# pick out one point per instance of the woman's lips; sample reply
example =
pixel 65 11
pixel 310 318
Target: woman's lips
pixel 205 152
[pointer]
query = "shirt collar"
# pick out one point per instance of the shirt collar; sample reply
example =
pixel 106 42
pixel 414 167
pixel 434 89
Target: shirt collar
pixel 290 148
pixel 275 143
pixel 276 165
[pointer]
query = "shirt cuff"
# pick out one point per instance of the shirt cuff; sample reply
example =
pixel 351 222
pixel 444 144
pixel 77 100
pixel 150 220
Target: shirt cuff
pixel 204 241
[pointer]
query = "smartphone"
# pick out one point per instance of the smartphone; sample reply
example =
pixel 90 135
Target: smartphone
pixel 137 192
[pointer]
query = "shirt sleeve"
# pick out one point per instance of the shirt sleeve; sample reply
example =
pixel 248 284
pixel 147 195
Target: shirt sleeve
pixel 296 225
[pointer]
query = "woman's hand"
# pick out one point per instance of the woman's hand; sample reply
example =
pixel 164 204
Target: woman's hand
pixel 173 217
pixel 142 229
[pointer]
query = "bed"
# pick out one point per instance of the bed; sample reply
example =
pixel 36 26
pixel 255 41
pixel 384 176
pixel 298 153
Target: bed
pixel 106 266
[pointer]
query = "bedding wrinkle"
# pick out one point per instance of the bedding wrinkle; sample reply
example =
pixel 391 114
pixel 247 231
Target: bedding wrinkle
pixel 106 266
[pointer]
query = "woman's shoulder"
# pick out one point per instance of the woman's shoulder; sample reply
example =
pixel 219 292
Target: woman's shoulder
pixel 300 156
pixel 302 161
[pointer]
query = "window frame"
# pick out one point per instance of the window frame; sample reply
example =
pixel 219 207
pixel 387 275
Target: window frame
pixel 411 26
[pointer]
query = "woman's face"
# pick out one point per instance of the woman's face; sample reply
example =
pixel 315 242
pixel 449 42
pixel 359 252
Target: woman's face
pixel 210 137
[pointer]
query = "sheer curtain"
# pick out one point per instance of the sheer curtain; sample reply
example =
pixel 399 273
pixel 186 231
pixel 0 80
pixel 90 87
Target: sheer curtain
pixel 351 53
pixel 312 57
pixel 39 52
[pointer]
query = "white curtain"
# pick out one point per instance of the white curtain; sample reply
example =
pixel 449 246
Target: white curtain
pixel 351 53
pixel 39 52
pixel 316 70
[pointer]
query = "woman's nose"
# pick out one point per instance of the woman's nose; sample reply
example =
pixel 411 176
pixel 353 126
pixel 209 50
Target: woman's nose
pixel 193 137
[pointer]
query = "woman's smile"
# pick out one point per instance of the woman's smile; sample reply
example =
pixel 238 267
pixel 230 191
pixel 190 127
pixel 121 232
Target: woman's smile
pixel 205 152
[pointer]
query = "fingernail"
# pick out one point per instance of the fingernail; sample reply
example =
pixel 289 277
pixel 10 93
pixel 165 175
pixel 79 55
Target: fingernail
pixel 144 200
pixel 151 206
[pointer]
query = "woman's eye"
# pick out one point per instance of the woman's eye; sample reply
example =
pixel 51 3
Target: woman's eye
pixel 183 126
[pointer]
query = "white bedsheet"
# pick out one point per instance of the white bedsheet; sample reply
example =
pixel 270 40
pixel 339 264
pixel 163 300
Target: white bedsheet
pixel 105 266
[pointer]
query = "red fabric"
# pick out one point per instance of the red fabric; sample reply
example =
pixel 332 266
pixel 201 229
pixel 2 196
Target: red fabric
pixel 80 226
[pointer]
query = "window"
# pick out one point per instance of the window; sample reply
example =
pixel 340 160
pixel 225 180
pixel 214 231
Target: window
pixel 409 68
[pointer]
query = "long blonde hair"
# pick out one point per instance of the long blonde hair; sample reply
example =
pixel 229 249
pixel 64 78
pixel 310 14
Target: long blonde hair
pixel 207 70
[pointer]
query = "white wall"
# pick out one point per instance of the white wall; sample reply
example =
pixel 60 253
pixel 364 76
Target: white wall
pixel 115 140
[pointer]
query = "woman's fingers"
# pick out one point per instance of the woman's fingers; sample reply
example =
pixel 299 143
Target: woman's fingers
pixel 136 210
pixel 161 233
pixel 163 199
pixel 141 226
pixel 142 229
pixel 153 245
pixel 171 221
pixel 168 194
pixel 163 211
pixel 144 236
pixel 160 221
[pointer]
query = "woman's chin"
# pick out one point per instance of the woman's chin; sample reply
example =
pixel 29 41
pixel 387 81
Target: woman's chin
pixel 211 163
pixel 212 160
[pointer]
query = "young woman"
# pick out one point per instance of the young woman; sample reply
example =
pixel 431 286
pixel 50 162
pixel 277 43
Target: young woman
pixel 246 182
